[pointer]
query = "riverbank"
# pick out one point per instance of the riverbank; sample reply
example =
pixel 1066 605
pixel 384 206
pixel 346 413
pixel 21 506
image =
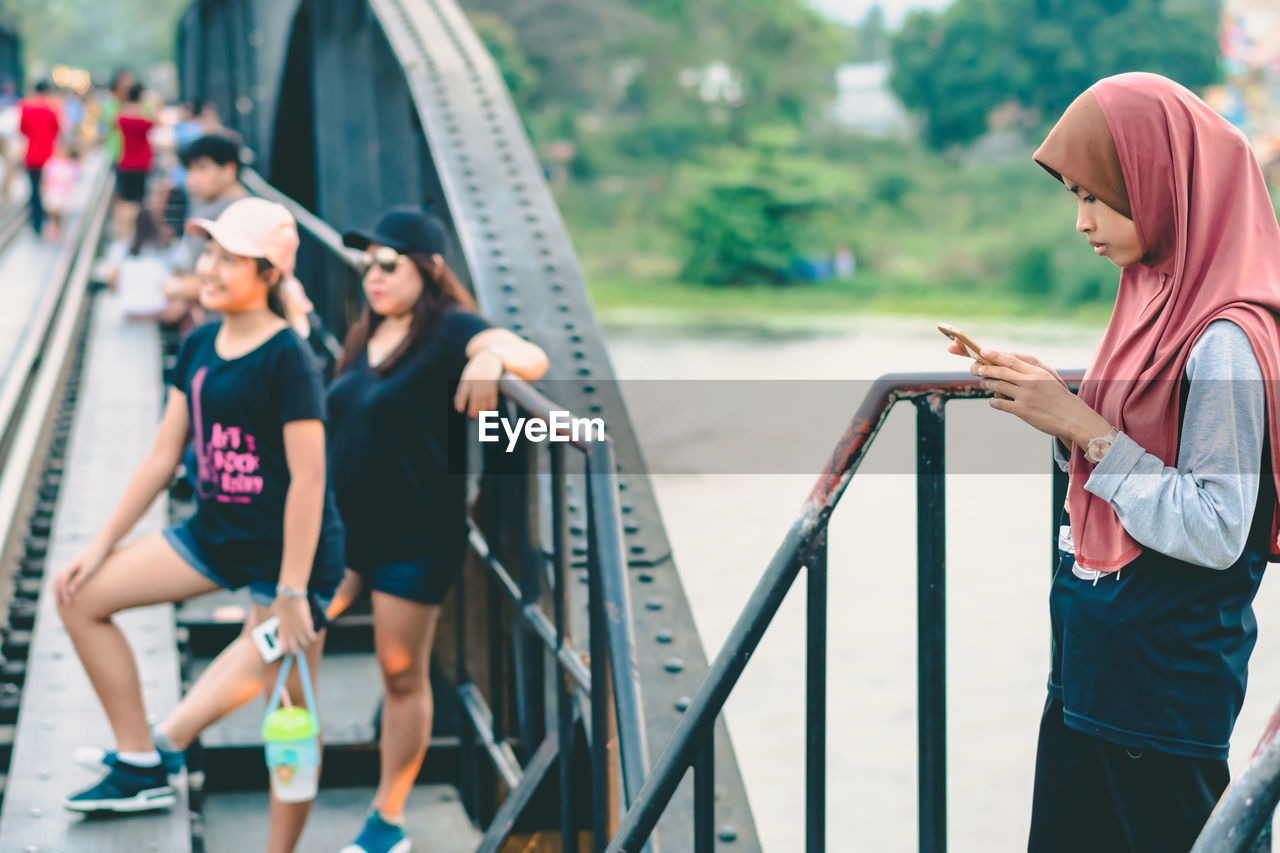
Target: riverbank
pixel 660 304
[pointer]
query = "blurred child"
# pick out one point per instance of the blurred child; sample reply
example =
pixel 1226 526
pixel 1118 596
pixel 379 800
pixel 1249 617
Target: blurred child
pixel 139 270
pixel 60 176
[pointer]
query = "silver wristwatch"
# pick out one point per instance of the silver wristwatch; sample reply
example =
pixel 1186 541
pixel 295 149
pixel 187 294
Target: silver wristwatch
pixel 289 592
pixel 1098 447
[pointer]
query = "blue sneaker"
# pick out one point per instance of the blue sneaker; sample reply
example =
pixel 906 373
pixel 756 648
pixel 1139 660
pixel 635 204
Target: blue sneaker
pixel 126 789
pixel 379 836
pixel 97 758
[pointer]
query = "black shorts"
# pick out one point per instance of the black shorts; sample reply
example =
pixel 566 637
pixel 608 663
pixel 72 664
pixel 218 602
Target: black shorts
pixel 424 580
pixel 1094 795
pixel 131 185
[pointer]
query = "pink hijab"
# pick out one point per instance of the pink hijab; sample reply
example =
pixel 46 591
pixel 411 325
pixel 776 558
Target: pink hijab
pixel 1203 216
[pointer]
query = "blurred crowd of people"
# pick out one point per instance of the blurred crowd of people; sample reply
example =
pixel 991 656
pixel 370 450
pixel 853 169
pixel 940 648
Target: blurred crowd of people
pixel 171 163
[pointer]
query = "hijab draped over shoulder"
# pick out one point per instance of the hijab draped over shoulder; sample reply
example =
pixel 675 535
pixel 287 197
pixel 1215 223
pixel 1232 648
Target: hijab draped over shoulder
pixel 1159 155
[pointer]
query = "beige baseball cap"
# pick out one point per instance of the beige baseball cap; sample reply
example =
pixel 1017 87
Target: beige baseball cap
pixel 253 228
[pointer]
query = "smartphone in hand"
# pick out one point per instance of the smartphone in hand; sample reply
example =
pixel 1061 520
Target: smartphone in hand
pixel 970 346
pixel 267 638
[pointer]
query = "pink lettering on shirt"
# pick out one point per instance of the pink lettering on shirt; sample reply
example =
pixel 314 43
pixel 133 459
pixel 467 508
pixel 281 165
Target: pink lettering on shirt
pixel 227 464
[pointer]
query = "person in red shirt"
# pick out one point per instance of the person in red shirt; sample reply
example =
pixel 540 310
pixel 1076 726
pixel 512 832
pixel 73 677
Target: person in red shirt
pixel 40 124
pixel 135 160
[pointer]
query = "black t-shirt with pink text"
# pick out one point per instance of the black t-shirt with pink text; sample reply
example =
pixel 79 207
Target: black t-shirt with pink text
pixel 238 409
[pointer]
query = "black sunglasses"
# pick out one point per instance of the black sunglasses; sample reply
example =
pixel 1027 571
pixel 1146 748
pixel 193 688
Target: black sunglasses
pixel 385 257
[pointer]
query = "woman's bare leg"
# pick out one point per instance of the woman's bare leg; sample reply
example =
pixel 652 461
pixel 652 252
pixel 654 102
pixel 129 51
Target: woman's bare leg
pixel 145 571
pixel 232 680
pixel 345 594
pixel 403 632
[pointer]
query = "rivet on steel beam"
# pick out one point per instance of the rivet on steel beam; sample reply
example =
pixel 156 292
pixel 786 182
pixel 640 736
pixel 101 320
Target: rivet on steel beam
pixel 36 811
pixel 683 703
pixel 727 834
pixel 595 409
pixel 653 604
pixel 584 371
pixel 637 549
pixel 673 665
pixel 665 636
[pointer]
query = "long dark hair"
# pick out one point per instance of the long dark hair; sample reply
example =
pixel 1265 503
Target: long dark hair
pixel 146 234
pixel 440 290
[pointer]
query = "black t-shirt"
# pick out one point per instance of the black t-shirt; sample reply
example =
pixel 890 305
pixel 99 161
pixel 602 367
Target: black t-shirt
pixel 397 449
pixel 238 410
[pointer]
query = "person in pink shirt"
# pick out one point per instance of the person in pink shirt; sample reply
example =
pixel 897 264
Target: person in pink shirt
pixel 60 175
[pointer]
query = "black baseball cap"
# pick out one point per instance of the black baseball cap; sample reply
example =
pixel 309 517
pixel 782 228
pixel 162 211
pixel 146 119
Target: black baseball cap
pixel 405 229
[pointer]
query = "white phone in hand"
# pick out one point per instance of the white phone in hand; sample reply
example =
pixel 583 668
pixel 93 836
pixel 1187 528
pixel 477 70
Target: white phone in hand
pixel 267 638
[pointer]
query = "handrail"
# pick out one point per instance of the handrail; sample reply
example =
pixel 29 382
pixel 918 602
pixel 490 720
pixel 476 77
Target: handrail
pixel 613 607
pixel 317 227
pixel 1249 801
pixel 805 545
pixel 870 416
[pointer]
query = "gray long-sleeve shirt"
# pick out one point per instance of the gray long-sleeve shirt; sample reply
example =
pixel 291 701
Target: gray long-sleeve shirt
pixel 1200 511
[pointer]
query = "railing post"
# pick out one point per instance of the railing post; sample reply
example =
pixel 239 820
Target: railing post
pixel 704 795
pixel 496 518
pixel 564 699
pixel 815 746
pixel 602 784
pixel 931 610
pixel 1059 498
pixel 528 654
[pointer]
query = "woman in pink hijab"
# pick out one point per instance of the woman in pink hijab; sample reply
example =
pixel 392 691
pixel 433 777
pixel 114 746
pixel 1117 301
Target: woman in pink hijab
pixel 1169 444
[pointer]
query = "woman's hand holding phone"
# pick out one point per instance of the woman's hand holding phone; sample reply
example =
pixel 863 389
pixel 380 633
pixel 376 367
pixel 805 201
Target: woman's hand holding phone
pixel 296 631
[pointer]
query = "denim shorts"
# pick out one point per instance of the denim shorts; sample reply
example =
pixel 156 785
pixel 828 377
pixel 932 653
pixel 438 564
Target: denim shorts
pixel 424 580
pixel 261 590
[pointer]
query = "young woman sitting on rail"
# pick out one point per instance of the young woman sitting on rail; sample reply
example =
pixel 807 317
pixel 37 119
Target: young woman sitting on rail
pixel 250 392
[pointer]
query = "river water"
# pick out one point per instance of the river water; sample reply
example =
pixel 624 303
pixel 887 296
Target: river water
pixel 725 520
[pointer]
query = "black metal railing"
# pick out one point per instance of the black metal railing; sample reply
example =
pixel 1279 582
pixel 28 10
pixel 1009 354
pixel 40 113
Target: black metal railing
pixel 1241 822
pixel 526 593
pixel 805 545
pixel 609 676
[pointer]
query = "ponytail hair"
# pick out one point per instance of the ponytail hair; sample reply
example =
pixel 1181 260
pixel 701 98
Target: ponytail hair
pixel 274 300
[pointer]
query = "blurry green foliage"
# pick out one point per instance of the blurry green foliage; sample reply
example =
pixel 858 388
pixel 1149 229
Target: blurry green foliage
pixel 97 35
pixel 953 67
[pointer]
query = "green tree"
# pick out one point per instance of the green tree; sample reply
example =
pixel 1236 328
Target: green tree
pixel 96 35
pixel 955 67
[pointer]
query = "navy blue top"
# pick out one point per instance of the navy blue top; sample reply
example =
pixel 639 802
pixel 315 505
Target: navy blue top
pixel 397 450
pixel 1157 655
